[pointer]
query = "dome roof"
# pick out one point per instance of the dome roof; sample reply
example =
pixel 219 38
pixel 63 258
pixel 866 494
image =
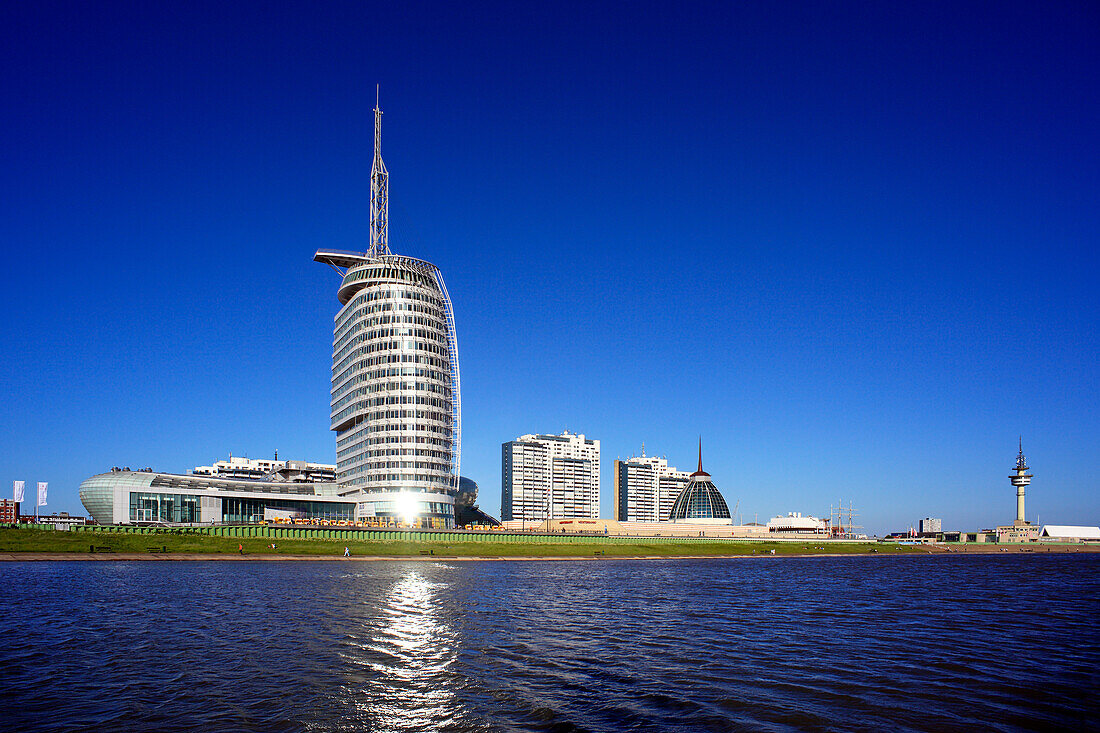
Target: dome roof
pixel 700 499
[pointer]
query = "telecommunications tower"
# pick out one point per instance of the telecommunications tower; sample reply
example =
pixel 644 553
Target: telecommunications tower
pixel 1020 480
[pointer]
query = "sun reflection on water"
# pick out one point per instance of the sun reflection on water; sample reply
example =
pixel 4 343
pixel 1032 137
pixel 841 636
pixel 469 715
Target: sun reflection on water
pixel 408 651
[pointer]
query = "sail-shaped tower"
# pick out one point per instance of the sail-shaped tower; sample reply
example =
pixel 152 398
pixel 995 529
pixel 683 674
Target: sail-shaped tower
pixel 396 405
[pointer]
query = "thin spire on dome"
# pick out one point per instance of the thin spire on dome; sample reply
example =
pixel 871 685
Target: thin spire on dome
pixel 700 471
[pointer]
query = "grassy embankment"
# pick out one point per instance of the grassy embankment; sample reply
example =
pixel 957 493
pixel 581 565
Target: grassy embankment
pixel 31 540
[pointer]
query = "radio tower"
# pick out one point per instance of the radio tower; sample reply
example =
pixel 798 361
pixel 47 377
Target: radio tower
pixel 379 192
pixel 1020 481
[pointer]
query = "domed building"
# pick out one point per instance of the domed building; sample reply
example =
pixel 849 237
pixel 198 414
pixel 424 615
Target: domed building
pixel 700 500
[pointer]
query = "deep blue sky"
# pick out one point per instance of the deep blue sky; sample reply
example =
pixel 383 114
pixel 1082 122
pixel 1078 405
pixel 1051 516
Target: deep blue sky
pixel 852 245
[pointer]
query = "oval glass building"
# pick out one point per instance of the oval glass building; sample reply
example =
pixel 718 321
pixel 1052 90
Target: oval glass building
pixel 700 499
pixel 396 405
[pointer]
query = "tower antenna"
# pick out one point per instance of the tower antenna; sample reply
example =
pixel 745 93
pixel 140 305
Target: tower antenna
pixel 379 191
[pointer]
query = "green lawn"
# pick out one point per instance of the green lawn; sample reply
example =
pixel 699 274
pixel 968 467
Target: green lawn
pixel 33 540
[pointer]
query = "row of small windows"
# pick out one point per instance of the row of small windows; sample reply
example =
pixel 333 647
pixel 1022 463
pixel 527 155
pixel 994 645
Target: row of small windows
pixel 444 483
pixel 390 346
pixel 441 425
pixel 439 377
pixel 357 448
pixel 439 323
pixel 394 359
pixel 349 442
pixel 360 445
pixel 381 401
pixel 385 333
pixel 377 272
pixel 360 464
pixel 381 333
pixel 406 294
pixel 388 359
pixel 443 452
pixel 444 455
pixel 440 481
pixel 392 387
pixel 372 295
pixel 410 439
pixel 351 317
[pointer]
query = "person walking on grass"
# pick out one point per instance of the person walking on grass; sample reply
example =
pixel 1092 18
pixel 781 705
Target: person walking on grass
pixel 347 552
pixel 240 548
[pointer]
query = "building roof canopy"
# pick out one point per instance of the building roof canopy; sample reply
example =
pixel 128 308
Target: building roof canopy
pixel 1074 532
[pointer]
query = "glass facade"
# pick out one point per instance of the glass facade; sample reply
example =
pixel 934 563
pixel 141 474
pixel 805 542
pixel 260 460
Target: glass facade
pixel 237 509
pixel 407 510
pixel 699 500
pixel 154 507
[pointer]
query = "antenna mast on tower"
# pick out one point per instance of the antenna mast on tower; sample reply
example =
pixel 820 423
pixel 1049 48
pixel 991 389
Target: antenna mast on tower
pixel 379 192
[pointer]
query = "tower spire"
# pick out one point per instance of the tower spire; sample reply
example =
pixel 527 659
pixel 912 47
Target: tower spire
pixel 699 471
pixel 379 191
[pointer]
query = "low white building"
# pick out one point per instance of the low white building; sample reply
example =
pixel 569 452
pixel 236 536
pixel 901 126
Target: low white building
pixel 121 496
pixel 268 469
pixel 1070 533
pixel 796 522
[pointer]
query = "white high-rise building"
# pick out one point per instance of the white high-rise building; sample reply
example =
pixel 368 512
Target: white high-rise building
pixel 931 525
pixel 550 477
pixel 395 405
pixel 646 487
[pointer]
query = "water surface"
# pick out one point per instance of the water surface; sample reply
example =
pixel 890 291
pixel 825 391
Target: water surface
pixel 902 643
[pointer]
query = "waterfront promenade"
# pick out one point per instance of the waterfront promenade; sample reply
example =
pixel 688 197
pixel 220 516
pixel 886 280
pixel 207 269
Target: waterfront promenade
pixel 263 543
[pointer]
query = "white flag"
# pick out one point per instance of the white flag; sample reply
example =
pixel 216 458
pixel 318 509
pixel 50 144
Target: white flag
pixel 42 493
pixel 17 487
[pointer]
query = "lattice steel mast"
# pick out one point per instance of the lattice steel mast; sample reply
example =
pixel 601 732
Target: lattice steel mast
pixel 379 192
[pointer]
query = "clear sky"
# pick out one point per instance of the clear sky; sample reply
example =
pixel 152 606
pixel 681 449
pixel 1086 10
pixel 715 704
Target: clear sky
pixel 852 245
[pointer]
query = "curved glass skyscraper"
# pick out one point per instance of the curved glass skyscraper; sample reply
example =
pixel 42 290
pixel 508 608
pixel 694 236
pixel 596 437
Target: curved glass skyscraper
pixel 396 405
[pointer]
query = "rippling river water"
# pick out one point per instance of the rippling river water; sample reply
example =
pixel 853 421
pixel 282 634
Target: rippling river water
pixel 919 643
